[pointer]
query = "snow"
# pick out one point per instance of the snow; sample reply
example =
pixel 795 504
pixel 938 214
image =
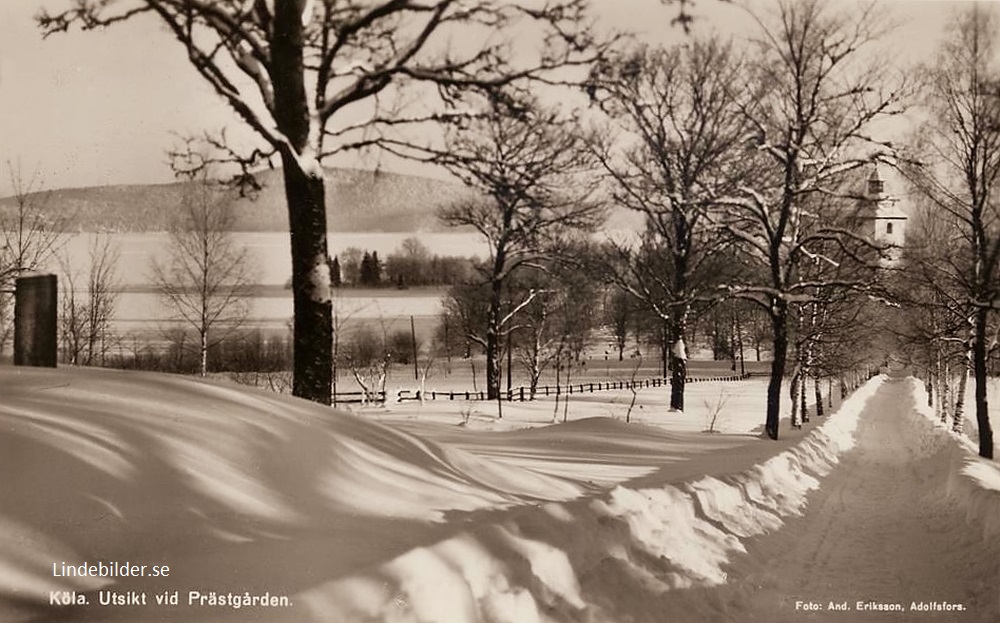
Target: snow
pixel 354 520
pixel 740 406
pixel 319 280
pixel 973 482
pixel 665 537
pixel 970 424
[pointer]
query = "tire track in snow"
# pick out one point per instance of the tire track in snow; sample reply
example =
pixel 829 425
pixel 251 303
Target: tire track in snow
pixel 880 529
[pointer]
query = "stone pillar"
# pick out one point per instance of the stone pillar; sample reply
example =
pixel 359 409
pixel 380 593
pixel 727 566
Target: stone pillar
pixel 35 315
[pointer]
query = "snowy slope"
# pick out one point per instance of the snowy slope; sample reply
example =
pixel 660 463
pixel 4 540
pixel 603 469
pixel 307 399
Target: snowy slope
pixel 112 466
pixel 973 481
pixel 254 494
pixel 599 559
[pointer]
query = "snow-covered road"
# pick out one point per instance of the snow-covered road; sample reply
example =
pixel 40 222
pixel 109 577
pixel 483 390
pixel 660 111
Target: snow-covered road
pixel 880 532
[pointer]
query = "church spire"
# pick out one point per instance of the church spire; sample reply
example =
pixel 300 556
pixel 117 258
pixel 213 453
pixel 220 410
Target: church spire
pixel 875 184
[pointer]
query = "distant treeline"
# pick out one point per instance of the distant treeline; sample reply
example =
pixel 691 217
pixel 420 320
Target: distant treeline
pixel 410 265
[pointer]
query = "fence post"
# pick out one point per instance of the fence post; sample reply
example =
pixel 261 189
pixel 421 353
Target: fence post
pixel 35 320
pixel 522 393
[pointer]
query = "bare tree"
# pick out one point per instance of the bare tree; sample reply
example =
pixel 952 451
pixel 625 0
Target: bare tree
pixel 298 72
pixel 818 94
pixel 935 325
pixel 528 163
pixel 619 312
pixel 368 356
pixel 681 109
pixel 342 315
pixel 959 174
pixel 427 356
pixel 538 344
pixel 30 236
pixel 87 312
pixel 558 321
pixel 205 279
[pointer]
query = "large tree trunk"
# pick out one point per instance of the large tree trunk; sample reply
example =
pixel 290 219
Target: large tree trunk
pixel 304 193
pixel 963 381
pixel 312 306
pixel 678 359
pixel 665 348
pixel 797 386
pixel 944 396
pixel 804 398
pixel 535 367
pixel 793 395
pixel 493 343
pixel 817 390
pixel 979 368
pixel 779 342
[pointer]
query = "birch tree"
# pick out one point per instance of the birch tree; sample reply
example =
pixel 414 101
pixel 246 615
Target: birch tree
pixel 86 310
pixel 959 172
pixel 937 320
pixel 205 279
pixel 819 94
pixel 313 78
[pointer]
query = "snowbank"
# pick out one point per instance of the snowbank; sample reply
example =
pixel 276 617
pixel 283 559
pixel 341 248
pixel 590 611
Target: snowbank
pixel 973 481
pixel 241 491
pixel 596 560
pixel 232 489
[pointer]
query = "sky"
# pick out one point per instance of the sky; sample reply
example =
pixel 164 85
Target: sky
pixel 102 108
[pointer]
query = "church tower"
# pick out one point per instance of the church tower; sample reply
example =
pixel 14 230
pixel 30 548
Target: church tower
pixel 883 220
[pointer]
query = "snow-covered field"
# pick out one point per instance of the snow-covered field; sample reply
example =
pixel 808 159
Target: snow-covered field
pixel 329 516
pixel 738 405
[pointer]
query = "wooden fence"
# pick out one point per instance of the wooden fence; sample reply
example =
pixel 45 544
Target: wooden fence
pixel 523 393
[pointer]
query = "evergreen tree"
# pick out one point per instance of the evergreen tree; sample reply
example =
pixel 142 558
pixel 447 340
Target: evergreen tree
pixel 335 279
pixel 365 274
pixel 376 270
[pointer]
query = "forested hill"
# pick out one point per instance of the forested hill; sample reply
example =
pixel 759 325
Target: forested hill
pixel 357 201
